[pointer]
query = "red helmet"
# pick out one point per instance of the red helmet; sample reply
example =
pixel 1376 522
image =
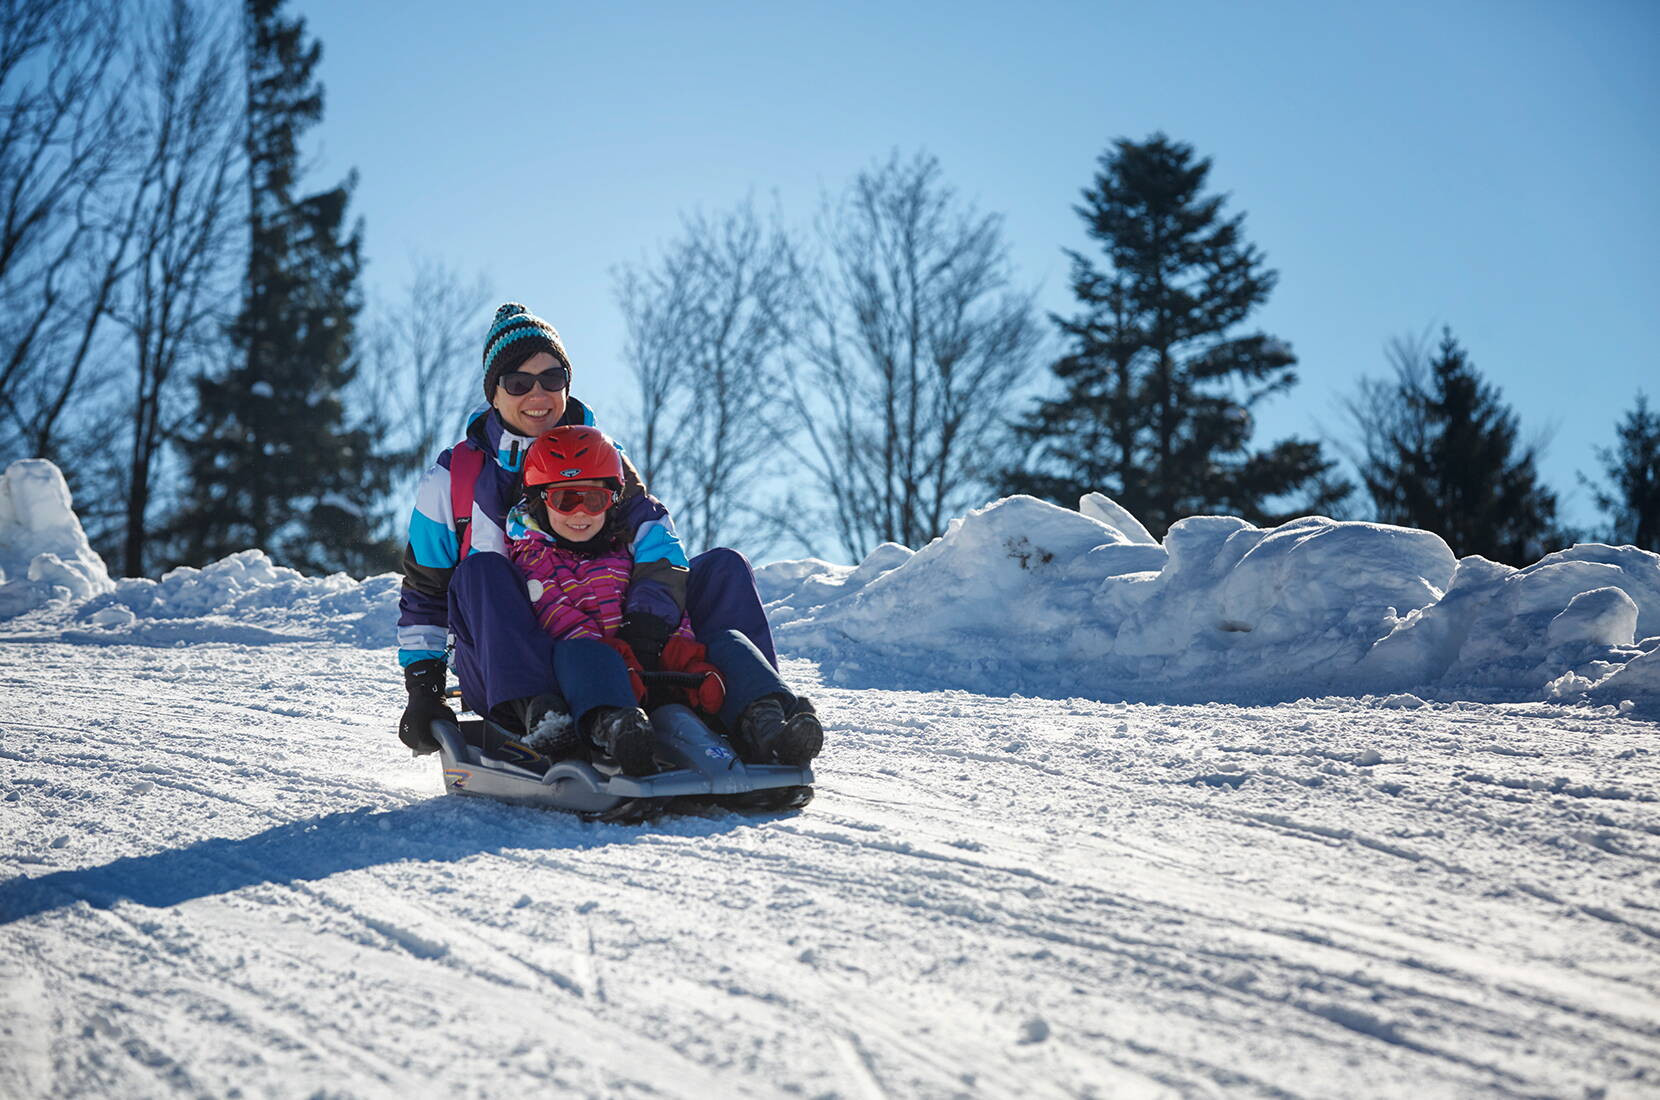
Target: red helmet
pixel 572 454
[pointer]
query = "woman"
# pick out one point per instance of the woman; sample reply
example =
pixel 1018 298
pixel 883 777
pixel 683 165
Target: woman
pixel 458 581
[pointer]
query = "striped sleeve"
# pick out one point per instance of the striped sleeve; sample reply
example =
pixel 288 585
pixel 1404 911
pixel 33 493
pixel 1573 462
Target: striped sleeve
pixel 429 559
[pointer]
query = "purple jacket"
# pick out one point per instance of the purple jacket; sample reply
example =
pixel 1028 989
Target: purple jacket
pixel 657 577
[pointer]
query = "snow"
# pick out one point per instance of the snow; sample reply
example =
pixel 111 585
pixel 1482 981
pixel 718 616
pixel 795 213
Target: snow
pixel 1023 596
pixel 44 556
pixel 1372 822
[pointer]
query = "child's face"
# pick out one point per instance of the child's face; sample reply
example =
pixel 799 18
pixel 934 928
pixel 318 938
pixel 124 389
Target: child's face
pixel 578 526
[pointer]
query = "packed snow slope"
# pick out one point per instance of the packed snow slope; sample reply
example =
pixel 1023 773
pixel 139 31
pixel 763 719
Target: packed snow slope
pixel 220 874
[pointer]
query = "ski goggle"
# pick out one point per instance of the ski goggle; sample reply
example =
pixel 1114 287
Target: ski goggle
pixel 566 501
pixel 518 382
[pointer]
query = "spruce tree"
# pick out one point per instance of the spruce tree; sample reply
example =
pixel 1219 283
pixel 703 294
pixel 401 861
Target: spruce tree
pixel 273 460
pixel 1633 470
pixel 1443 454
pixel 1157 385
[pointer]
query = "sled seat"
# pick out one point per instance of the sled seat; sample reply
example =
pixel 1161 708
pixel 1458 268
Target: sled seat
pixel 702 765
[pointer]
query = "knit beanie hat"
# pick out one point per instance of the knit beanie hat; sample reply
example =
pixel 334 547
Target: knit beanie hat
pixel 516 330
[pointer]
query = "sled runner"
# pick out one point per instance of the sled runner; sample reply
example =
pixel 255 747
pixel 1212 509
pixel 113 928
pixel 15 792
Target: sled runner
pixel 483 758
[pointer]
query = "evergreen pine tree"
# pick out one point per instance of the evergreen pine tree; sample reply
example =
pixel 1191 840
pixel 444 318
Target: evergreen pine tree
pixel 272 461
pixel 1633 470
pixel 1442 454
pixel 1157 390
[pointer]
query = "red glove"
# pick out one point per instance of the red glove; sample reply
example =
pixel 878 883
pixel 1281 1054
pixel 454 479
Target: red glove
pixel 685 655
pixel 633 664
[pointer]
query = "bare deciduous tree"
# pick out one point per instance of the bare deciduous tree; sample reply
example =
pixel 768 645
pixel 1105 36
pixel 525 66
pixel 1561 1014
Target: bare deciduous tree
pixel 425 361
pixel 185 205
pixel 63 237
pixel 708 321
pixel 913 339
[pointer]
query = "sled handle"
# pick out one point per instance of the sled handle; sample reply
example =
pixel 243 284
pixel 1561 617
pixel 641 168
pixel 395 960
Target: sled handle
pixel 668 678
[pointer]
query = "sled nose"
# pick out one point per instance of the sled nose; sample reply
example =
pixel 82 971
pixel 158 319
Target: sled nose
pixel 683 739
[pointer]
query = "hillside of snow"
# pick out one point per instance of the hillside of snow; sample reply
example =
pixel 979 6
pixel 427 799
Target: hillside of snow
pixel 1408 847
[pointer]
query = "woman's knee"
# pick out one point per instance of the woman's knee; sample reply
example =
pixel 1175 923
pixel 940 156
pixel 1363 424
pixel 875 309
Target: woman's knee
pixel 723 560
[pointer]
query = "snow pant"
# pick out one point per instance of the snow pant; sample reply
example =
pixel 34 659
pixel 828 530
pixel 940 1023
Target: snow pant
pixel 721 596
pixel 747 673
pixel 502 653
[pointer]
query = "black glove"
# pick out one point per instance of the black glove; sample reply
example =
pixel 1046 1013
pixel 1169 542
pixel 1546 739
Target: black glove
pixel 646 635
pixel 425 681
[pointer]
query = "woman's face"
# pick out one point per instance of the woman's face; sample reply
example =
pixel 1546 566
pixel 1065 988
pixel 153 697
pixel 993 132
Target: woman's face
pixel 578 526
pixel 537 411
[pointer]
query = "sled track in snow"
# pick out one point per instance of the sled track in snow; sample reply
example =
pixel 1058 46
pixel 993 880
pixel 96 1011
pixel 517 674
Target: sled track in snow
pixel 222 873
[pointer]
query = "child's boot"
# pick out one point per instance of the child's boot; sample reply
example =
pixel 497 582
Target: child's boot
pixel 625 735
pixel 549 729
pixel 765 734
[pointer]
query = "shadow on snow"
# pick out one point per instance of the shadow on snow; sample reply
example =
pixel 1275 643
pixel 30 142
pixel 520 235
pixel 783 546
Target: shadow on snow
pixel 443 830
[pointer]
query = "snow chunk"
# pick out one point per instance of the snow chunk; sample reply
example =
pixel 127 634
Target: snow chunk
pixel 1034 1029
pixel 1602 616
pixel 1099 506
pixel 45 558
pixel 1634 686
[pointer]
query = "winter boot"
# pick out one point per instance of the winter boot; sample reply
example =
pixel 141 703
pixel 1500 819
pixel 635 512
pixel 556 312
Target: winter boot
pixel 623 734
pixel 765 734
pixel 544 724
pixel 549 729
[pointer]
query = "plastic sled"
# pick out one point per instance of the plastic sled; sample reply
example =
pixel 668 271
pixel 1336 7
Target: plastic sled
pixel 702 769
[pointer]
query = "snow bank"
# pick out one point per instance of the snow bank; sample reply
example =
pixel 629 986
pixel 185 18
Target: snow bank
pixel 1018 596
pixel 247 598
pixel 45 559
pixel 1024 596
pixel 57 585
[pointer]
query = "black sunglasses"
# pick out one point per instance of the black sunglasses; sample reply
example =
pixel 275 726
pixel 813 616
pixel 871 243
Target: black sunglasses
pixel 518 383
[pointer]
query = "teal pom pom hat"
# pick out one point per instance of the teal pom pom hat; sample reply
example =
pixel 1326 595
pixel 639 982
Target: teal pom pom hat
pixel 516 335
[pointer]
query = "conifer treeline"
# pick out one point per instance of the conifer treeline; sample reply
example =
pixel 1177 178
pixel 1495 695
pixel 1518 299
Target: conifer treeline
pixel 1158 385
pixel 886 348
pixel 274 459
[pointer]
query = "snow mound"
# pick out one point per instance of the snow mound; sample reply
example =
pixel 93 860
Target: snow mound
pixel 45 559
pixel 813 583
pixel 247 598
pixel 57 586
pixel 1007 571
pixel 1025 596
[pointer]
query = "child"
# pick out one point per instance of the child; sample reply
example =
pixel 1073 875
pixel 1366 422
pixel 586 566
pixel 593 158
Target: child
pixel 564 538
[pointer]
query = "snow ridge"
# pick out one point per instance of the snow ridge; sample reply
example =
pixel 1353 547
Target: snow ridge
pixel 1023 596
pixel 1018 596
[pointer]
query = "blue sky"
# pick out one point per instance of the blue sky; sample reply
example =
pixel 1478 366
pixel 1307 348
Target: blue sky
pixel 1488 165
